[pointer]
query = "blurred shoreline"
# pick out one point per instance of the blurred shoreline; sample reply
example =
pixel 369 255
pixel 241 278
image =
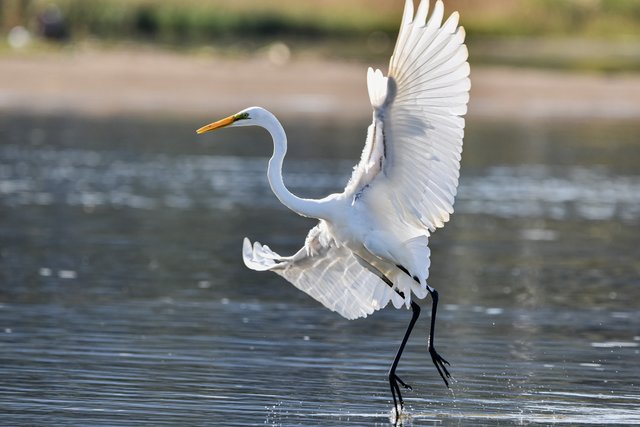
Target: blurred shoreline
pixel 133 82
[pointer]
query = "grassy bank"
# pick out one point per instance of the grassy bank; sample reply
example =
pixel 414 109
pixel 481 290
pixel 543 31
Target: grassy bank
pixel 347 25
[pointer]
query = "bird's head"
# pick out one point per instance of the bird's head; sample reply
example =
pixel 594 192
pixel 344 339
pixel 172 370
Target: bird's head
pixel 246 117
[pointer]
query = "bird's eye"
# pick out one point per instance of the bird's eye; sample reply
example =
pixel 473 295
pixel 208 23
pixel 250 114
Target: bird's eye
pixel 241 116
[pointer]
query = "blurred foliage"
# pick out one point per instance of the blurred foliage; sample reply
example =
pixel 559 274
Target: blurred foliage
pixel 197 21
pixel 339 26
pixel 604 19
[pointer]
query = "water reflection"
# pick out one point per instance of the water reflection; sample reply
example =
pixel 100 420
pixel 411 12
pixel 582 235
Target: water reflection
pixel 123 300
pixel 83 178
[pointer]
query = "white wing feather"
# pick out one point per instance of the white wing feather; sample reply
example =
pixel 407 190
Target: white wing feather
pixel 417 130
pixel 329 273
pixel 407 176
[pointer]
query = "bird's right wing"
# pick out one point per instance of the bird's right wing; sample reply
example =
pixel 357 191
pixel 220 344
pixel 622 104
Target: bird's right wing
pixel 331 274
pixel 411 160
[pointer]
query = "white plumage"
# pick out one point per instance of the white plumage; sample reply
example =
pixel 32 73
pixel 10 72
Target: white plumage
pixel 371 244
pixel 408 173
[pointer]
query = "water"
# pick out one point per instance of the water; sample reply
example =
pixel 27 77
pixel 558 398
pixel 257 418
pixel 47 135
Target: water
pixel 124 301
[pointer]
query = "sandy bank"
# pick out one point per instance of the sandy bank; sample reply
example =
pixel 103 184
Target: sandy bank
pixel 119 83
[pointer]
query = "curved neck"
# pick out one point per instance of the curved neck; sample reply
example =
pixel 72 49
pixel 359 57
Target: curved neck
pixel 305 207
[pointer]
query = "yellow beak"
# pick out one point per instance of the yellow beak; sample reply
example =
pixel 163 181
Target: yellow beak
pixel 217 125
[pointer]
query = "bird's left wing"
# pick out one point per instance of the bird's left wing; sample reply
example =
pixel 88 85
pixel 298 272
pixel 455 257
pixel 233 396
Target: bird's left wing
pixel 410 165
pixel 329 273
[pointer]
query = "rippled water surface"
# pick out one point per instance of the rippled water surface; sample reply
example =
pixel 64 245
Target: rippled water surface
pixel 124 301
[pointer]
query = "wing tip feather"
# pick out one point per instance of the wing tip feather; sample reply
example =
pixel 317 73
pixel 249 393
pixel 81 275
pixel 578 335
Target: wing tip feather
pixel 377 85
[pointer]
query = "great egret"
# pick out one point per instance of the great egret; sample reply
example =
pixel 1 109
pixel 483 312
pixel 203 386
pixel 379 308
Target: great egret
pixel 371 243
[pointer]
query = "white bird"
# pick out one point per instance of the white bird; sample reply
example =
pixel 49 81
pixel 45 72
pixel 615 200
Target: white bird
pixel 370 246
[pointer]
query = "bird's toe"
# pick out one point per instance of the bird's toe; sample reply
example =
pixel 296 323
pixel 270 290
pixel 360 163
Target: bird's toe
pixel 440 363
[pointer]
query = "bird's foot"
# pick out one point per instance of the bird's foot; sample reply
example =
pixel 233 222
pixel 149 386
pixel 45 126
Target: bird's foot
pixel 398 402
pixel 402 383
pixel 440 363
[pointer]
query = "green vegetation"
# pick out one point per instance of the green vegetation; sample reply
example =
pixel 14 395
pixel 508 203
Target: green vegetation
pixel 235 25
pixel 601 19
pixel 192 21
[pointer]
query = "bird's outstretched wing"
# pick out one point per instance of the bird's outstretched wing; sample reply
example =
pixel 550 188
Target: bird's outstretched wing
pixel 410 164
pixel 329 273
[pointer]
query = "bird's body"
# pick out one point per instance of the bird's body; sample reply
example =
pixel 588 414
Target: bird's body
pixel 370 246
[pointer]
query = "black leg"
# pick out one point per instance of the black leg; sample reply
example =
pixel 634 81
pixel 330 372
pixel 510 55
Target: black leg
pixel 438 361
pixel 394 380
